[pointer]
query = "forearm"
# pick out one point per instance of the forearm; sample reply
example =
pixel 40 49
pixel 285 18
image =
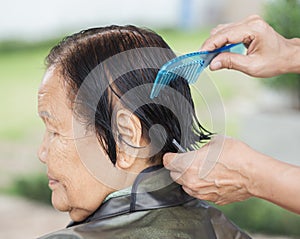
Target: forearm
pixel 277 182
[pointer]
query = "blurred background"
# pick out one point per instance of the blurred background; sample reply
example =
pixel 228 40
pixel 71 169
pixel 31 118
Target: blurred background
pixel 263 113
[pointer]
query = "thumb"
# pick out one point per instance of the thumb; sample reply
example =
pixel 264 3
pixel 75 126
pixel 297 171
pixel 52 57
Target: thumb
pixel 230 61
pixel 167 160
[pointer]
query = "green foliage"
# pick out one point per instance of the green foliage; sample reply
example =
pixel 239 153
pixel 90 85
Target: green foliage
pixel 184 42
pixel 21 72
pixel 34 187
pixel 259 216
pixel 284 17
pixel 12 46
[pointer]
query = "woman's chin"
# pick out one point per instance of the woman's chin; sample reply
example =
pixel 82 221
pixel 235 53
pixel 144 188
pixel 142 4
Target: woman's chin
pixel 78 215
pixel 59 202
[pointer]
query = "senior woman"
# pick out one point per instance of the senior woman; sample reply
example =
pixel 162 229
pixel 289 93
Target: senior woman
pixel 105 140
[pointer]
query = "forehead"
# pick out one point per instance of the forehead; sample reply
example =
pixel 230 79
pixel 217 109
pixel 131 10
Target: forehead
pixel 52 97
pixel 50 81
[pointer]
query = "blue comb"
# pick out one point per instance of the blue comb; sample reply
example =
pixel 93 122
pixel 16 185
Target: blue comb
pixel 189 66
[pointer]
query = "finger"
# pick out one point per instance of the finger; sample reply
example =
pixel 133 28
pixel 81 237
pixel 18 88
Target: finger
pixel 231 33
pixel 201 187
pixel 207 197
pixel 212 197
pixel 223 37
pixel 188 180
pixel 219 28
pixel 206 189
pixel 231 61
pixel 216 41
pixel 175 162
pixel 168 158
pixel 176 176
pixel 179 162
pixel 190 191
pixel 222 201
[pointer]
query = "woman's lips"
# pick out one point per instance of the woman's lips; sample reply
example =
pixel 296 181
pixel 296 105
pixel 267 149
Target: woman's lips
pixel 52 181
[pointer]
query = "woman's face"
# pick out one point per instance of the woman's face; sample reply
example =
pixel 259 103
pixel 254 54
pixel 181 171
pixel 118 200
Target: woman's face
pixel 74 189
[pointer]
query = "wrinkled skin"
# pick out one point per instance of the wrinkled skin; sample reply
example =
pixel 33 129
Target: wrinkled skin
pixel 237 173
pixel 74 188
pixel 222 181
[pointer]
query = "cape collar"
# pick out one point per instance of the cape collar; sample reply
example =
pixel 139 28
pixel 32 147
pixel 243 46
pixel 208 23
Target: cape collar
pixel 152 189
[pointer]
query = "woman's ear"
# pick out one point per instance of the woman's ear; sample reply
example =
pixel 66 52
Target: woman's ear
pixel 129 134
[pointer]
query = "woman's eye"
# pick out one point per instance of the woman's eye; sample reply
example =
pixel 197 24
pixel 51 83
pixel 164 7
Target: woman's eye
pixel 53 133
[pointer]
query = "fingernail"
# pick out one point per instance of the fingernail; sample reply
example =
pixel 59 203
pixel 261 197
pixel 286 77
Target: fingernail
pixel 216 65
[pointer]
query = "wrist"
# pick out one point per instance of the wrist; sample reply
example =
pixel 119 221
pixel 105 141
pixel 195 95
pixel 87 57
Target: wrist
pixel 259 175
pixel 293 56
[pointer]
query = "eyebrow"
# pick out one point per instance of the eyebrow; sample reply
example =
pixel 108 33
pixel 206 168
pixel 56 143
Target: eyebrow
pixel 46 115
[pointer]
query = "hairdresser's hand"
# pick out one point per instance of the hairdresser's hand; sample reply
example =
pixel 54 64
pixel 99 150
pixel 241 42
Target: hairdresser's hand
pixel 219 172
pixel 227 170
pixel 268 53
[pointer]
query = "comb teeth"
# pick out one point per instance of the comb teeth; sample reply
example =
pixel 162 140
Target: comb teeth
pixel 163 78
pixel 189 72
pixel 189 66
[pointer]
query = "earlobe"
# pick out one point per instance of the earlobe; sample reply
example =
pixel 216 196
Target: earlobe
pixel 124 163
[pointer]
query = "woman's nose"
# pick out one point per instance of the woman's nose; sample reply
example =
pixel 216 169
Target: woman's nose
pixel 42 153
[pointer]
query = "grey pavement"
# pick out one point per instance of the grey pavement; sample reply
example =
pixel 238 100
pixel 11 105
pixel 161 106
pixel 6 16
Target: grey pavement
pixel 21 219
pixel 276 134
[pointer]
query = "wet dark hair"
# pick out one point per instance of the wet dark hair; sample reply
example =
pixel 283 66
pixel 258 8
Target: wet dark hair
pixel 79 56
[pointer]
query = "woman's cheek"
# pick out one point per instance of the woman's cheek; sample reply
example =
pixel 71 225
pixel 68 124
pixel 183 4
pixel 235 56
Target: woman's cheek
pixel 67 164
pixel 61 152
pixel 60 167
